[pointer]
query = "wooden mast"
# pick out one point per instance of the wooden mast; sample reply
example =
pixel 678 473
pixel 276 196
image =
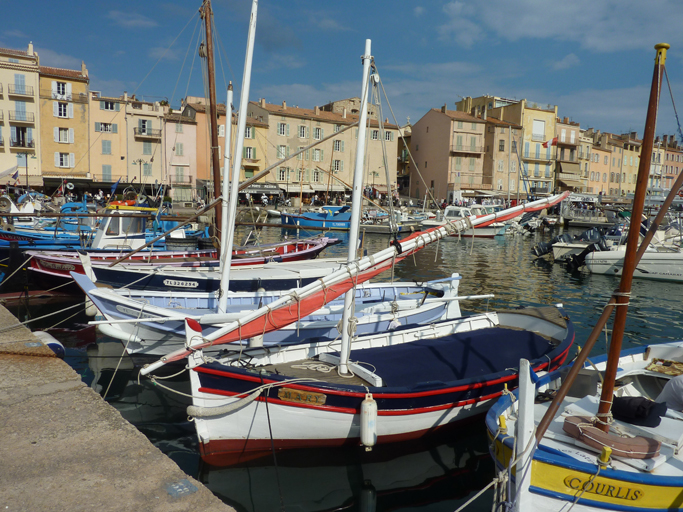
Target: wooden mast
pixel 622 297
pixel 207 14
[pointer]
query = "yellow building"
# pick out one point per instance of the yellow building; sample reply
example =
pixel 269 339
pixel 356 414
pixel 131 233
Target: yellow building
pixel 64 124
pixel 19 119
pixel 107 140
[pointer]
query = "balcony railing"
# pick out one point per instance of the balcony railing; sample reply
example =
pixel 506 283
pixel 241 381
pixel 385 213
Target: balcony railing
pixel 74 98
pixel 461 148
pixel 21 117
pixel 20 90
pixel 149 133
pixel 181 180
pixel 2 115
pixel 22 143
pixel 537 137
pixel 567 142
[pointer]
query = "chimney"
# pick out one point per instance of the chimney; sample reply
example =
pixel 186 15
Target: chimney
pixel 565 120
pixel 125 96
pixel 386 120
pixel 84 70
pixel 483 114
pixel 316 110
pixel 284 105
pixel 344 113
pixel 262 103
pixel 665 139
pixel 444 109
pixel 30 48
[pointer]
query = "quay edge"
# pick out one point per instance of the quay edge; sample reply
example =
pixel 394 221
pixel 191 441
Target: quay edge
pixel 64 448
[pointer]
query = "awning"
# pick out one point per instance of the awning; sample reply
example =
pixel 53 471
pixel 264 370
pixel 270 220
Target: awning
pixel 262 188
pixel 571 183
pixel 298 189
pixel 569 167
pixel 318 187
pixel 380 188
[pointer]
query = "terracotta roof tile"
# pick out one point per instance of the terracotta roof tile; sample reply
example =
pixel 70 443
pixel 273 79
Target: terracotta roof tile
pixel 63 73
pixel 9 51
pixel 498 122
pixel 458 115
pixel 323 115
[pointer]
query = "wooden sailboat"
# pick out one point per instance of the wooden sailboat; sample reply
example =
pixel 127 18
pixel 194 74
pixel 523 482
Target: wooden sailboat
pixel 611 439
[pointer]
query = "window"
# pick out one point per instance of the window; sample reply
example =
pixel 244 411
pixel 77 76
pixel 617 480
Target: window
pixel 281 151
pixel 106 173
pixel 474 126
pixel 514 146
pixel 501 145
pixel 179 150
pixel 604 177
pixel 146 148
pixel 178 128
pixel 282 174
pixel 547 170
pixel 179 175
pixel 473 143
pixel 221 130
pixel 63 135
pixel 592 176
pixel 62 110
pixel 282 129
pixel 300 156
pixel 502 129
pixel 339 145
pixel 316 176
pixel 375 135
pixel 105 127
pixel 336 128
pixel 563 135
pixel 64 160
pixel 303 132
pixel 249 132
pixel 389 136
pixel 571 137
pixel 471 164
pixel 61 88
pixel 501 164
pixel 538 130
pixel 106 147
pixel 537 170
pixel 108 105
pixel 458 163
pixel 318 133
pixel 417 147
pixel 338 165
pixel 317 155
pixel 145 126
pixel 514 170
pixel 301 175
pixel 250 153
pixel 606 160
pixel 459 124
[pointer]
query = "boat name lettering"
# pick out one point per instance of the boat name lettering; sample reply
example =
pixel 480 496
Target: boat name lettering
pixel 603 488
pixel 57 266
pixel 135 313
pixel 181 284
pixel 301 397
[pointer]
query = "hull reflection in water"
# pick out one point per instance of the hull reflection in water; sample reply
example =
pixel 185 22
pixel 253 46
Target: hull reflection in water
pixel 435 471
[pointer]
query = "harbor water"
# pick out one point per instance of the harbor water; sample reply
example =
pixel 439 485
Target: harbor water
pixel 436 474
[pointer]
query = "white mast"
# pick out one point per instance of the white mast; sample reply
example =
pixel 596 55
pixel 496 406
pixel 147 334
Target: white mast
pixel 229 229
pixel 356 207
pixel 223 301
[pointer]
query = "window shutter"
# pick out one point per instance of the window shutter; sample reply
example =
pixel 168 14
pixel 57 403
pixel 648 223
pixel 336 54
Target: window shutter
pixel 244 152
pixel 29 134
pixel 71 135
pixel 139 125
pixel 392 136
pixel 287 129
pixel 56 159
pixel 308 154
pixel 342 146
pixel 55 109
pixel 117 106
pixel 68 90
pixel 253 153
pixel 307 133
pixel 13 132
pixel 308 175
pixel 54 88
pixel 101 105
pixel 287 150
pixel 341 163
pixel 322 133
pixel 71 110
pixel 56 131
pixel 322 155
pixel 72 160
pixel 98 127
pixel 115 128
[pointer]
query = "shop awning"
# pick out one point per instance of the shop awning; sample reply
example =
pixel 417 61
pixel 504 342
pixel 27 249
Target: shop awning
pixel 299 189
pixel 568 167
pixel 380 188
pixel 318 187
pixel 262 188
pixel 571 183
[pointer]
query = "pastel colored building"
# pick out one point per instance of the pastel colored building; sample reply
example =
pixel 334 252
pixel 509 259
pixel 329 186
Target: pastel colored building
pixel 180 148
pixel 600 169
pixel 567 155
pixel 145 159
pixel 501 160
pixel 108 141
pixel 65 134
pixel 584 158
pixel 673 161
pixel 20 142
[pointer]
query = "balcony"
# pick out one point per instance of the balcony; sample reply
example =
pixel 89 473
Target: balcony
pixel 16 116
pixel 541 157
pixel 538 137
pixel 181 180
pixel 461 148
pixel 147 133
pixel 22 144
pixel 539 190
pixel 19 90
pixel 74 98
pixel 567 142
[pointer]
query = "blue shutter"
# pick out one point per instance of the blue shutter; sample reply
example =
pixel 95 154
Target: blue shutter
pixel 101 105
pixel 117 106
pixel 115 127
pixel 98 127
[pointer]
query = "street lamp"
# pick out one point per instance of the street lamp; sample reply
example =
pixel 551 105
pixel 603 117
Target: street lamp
pixel 140 161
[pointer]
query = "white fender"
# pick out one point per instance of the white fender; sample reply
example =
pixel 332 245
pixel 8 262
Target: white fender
pixel 368 422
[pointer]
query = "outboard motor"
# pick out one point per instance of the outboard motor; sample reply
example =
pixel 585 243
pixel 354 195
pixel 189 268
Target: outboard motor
pixel 542 248
pixel 575 261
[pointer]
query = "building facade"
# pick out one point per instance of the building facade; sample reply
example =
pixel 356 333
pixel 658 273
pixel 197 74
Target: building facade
pixel 501 161
pixel 145 160
pixel 180 149
pixel 108 141
pixel 569 176
pixel 20 142
pixel 65 116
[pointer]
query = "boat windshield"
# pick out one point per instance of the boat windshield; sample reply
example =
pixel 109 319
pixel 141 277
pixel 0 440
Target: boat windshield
pixel 453 214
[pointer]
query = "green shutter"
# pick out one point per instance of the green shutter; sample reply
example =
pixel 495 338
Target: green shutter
pixel 115 128
pixel 253 152
pixel 117 106
pixel 101 105
pixel 98 127
pixel 287 150
pixel 287 129
pixel 322 155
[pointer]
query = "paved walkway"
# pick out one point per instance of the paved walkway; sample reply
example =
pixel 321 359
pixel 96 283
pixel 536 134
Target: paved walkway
pixel 64 448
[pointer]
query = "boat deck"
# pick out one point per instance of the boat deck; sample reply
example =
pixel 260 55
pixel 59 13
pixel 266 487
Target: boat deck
pixel 311 368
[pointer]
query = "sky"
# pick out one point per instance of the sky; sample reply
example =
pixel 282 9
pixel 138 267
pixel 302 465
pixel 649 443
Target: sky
pixel 592 59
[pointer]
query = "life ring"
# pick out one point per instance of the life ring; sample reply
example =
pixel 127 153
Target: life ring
pixel 70 186
pixel 122 203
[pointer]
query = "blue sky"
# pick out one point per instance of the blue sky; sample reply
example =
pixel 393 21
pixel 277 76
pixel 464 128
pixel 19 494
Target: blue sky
pixel 593 59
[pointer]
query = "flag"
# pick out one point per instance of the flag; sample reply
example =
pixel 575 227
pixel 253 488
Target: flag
pixel 113 187
pixel 15 176
pixel 551 142
pixel 9 171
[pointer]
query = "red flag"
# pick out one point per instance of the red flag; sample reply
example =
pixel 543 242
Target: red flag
pixel 551 142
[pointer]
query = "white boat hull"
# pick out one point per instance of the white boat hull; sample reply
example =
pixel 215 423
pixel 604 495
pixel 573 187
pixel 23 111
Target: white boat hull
pixel 662 266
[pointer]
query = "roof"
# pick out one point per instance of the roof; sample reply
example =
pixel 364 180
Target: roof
pixel 498 122
pixel 459 115
pixel 323 115
pixel 179 118
pixel 200 107
pixel 72 74
pixel 9 51
pixel 251 121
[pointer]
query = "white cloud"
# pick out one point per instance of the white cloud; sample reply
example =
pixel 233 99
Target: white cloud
pixel 567 62
pixel 131 19
pixel 419 11
pixel 15 33
pixel 113 88
pixel 606 26
pixel 278 61
pixel 329 25
pixel 57 60
pixel 158 52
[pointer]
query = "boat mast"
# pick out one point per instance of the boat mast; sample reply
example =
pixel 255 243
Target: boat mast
pixel 622 297
pixel 207 14
pixel 223 256
pixel 356 206
pixel 226 258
